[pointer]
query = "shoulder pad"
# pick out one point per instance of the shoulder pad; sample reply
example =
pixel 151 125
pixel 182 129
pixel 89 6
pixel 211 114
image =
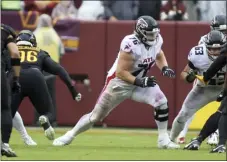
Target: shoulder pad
pixel 9 30
pixel 45 52
pixel 128 43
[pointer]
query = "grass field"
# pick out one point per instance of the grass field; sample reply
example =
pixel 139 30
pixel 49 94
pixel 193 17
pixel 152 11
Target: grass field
pixel 106 144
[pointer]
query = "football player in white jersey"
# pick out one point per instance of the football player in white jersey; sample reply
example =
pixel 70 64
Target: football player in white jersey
pixel 200 58
pixel 127 80
pixel 217 23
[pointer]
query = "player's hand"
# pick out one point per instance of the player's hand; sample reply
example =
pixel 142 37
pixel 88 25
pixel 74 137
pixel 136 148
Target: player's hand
pixel 145 82
pixel 78 97
pixel 221 96
pixel 16 88
pixel 191 76
pixel 166 71
pixel 200 78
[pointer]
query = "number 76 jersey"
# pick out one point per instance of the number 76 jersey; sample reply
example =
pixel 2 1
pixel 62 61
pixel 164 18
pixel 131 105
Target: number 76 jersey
pixel 144 57
pixel 32 57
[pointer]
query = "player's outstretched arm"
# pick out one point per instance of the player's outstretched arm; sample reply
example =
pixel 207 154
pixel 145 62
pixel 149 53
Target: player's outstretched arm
pixel 54 68
pixel 218 64
pixel 162 64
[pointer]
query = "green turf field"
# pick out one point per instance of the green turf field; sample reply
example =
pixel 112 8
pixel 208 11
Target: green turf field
pixel 106 144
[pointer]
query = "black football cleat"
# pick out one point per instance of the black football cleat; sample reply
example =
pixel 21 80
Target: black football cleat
pixel 193 145
pixel 219 149
pixel 7 151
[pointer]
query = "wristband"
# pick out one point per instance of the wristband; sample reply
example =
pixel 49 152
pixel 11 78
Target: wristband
pixel 15 61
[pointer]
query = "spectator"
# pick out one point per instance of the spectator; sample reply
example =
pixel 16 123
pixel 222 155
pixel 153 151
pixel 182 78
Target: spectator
pixel 209 9
pixel 174 10
pixel 151 8
pixel 48 40
pixel 40 6
pixel 120 10
pixel 192 10
pixel 64 10
pixel 90 10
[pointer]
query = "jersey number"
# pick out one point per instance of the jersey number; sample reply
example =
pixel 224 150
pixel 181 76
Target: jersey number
pixel 28 56
pixel 145 67
pixel 198 50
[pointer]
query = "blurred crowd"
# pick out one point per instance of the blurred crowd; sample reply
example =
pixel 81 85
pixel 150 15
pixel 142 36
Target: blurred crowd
pixel 179 10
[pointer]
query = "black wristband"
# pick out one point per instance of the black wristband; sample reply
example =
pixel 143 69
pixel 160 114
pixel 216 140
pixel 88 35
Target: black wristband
pixel 15 61
pixel 138 82
pixel 73 91
pixel 164 68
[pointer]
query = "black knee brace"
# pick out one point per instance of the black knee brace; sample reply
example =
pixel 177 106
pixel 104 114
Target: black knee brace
pixel 161 113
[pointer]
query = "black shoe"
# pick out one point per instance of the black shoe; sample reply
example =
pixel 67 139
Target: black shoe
pixel 218 149
pixel 7 151
pixel 193 145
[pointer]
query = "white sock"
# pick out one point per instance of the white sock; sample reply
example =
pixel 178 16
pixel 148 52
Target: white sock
pixel 82 125
pixel 217 132
pixel 185 130
pixel 162 128
pixel 176 129
pixel 19 125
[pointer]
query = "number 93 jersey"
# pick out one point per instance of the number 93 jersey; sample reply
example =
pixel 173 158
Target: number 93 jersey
pixel 32 57
pixel 201 61
pixel 144 57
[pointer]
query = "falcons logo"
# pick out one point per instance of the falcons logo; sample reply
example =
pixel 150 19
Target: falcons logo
pixel 141 23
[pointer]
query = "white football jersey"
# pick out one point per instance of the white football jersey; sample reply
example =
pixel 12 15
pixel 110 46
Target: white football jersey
pixel 199 57
pixel 144 57
pixel 202 39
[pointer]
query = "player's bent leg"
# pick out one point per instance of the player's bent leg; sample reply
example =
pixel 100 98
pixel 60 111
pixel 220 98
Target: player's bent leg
pixel 107 101
pixel 197 98
pixel 179 122
pixel 155 97
pixel 182 135
pixel 19 126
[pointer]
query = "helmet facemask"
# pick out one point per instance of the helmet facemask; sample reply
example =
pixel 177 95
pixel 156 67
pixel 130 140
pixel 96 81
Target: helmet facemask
pixel 214 50
pixel 148 37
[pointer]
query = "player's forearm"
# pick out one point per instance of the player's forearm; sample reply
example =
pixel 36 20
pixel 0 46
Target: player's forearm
pixel 64 76
pixel 161 60
pixel 16 71
pixel 184 75
pixel 217 65
pixel 125 76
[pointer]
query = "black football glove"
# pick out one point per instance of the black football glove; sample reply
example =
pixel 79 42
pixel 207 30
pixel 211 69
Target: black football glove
pixel 145 82
pixel 16 87
pixel 221 96
pixel 191 76
pixel 166 71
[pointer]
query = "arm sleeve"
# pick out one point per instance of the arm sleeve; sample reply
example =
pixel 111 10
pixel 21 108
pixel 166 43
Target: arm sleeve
pixel 191 65
pixel 218 64
pixel 52 67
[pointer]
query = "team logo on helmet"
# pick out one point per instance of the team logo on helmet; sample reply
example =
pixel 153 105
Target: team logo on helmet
pixel 141 23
